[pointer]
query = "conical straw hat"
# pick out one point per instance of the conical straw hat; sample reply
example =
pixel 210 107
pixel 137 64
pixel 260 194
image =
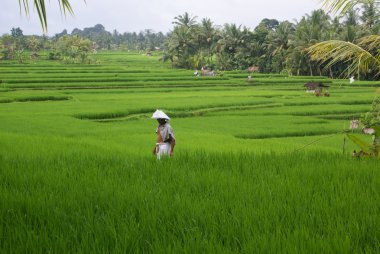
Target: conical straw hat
pixel 160 115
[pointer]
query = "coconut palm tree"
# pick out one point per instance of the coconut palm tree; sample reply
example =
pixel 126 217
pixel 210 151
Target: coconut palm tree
pixel 351 31
pixel 180 47
pixel 310 29
pixel 370 17
pixel 209 36
pixel 361 57
pixel 278 44
pixel 40 6
pixel 185 20
pixel 230 46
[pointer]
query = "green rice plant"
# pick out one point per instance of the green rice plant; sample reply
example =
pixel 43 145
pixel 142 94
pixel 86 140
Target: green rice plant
pixel 357 83
pixel 72 199
pixel 312 122
pixel 178 112
pixel 287 80
pixel 295 133
pixel 3 90
pixel 329 112
pixel 6 100
pixel 258 75
pixel 36 98
pixel 234 185
pixel 347 116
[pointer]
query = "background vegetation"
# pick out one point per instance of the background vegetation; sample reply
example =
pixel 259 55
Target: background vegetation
pixel 273 46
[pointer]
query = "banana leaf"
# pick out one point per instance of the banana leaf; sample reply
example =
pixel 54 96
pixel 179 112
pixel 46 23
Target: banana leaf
pixel 376 142
pixel 365 146
pixel 377 131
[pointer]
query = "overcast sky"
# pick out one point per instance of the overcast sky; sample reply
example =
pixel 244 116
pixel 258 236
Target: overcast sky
pixel 137 15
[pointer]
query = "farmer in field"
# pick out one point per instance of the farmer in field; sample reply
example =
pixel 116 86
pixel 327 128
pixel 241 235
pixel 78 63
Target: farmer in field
pixel 165 136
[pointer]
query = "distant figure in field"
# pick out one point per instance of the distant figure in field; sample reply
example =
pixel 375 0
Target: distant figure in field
pixel 196 73
pixel 206 72
pixel 352 79
pixel 165 136
pixel 253 69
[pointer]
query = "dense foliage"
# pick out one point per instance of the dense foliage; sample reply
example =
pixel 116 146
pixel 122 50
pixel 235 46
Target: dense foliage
pixel 273 46
pixel 360 54
pixel 144 40
pixel 72 49
pixel 77 46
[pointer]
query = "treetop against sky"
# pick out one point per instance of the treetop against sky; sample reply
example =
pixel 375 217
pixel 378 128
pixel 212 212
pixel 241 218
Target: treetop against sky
pixel 157 15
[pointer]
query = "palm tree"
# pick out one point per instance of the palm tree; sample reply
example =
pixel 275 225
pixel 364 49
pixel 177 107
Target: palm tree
pixel 185 20
pixel 233 39
pixel 361 57
pixel 64 5
pixel 208 37
pixel 310 29
pixel 370 17
pixel 351 31
pixel 180 46
pixel 278 44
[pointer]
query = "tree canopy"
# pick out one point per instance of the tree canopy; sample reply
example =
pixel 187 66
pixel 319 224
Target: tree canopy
pixel 274 46
pixel 359 48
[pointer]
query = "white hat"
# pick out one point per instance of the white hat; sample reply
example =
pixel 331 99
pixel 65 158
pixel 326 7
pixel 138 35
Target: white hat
pixel 160 115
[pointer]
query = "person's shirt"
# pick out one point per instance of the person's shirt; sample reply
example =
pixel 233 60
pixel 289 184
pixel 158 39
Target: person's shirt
pixel 166 132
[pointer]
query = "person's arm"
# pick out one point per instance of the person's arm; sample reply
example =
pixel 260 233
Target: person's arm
pixel 154 150
pixel 157 141
pixel 172 145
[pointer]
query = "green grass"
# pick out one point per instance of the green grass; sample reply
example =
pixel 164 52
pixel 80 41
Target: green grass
pixel 36 98
pixel 295 133
pixel 76 173
pixel 79 198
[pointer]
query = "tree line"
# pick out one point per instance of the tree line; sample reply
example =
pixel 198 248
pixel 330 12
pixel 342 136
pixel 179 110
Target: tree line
pixel 273 46
pixel 144 40
pixel 78 45
pixel 69 49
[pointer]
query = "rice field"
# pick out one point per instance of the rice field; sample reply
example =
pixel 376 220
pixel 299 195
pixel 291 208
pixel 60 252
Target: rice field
pixel 260 166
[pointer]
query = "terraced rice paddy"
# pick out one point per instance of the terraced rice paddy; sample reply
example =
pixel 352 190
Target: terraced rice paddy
pixel 76 173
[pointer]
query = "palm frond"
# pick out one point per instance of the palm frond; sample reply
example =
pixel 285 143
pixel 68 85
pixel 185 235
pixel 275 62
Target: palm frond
pixel 339 6
pixel 371 42
pixel 64 6
pixel 364 146
pixel 334 51
pixel 40 6
pixel 25 3
pixel 41 9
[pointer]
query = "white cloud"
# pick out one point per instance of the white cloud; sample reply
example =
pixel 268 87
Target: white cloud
pixel 126 16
